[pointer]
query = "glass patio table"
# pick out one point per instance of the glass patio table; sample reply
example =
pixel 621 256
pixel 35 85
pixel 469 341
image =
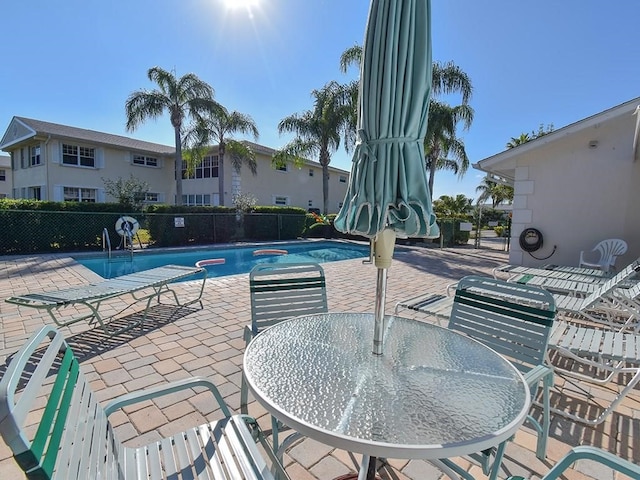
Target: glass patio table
pixel 432 394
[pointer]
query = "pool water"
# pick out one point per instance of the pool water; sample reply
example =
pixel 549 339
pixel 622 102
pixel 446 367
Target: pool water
pixel 236 259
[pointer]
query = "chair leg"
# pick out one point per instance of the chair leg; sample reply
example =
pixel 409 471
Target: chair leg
pixel 244 389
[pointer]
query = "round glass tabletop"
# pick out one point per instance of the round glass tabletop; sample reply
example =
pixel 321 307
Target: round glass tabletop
pixel 433 393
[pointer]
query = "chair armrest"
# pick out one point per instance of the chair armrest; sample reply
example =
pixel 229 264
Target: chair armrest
pixel 590 453
pixel 159 391
pixel 537 373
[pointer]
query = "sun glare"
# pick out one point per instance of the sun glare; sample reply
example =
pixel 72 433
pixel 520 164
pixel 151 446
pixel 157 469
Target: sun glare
pixel 235 4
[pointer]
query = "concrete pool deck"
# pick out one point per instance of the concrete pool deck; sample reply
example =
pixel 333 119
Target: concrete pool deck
pixel 208 342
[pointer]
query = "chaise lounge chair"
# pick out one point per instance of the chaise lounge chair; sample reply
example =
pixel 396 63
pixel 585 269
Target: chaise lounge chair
pixel 56 428
pixel 147 285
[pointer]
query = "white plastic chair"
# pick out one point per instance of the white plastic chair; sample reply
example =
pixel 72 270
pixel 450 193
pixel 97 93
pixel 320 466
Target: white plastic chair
pixel 608 249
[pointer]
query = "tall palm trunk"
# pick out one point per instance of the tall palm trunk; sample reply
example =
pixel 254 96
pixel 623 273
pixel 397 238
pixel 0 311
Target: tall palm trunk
pixel 221 151
pixel 433 165
pixel 178 166
pixel 324 161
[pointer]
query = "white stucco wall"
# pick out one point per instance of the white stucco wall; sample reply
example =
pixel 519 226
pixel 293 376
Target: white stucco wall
pixel 577 194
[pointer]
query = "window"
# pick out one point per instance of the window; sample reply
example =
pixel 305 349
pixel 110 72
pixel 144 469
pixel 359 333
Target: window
pixel 278 200
pixel 283 168
pixel 3 195
pixel 343 179
pixel 311 203
pixel 35 155
pixel 3 175
pixel 151 197
pixel 311 172
pixel 79 156
pixel 196 199
pixel 23 163
pixel 77 194
pixel 144 160
pixel 34 193
pixel 208 168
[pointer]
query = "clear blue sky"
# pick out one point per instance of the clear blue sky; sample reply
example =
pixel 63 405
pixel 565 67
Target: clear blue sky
pixel 546 62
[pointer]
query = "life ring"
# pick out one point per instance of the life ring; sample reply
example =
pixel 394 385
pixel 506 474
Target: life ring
pixel 270 251
pixel 127 226
pixel 209 261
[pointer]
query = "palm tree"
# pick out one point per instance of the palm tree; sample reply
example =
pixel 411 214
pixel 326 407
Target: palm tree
pixel 515 141
pixel 446 77
pixel 216 127
pixel 452 207
pixel 441 140
pixel 187 96
pixel 443 149
pixel 497 192
pixel 318 131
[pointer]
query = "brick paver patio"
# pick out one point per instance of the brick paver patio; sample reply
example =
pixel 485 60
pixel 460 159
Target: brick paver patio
pixel 175 344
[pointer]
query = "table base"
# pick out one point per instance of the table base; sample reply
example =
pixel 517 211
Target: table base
pixel 353 476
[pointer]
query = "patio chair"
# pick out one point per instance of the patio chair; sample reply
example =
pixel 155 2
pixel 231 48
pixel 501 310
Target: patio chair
pixel 611 303
pixel 84 302
pixel 279 291
pixel 590 453
pixel 515 321
pixel 56 428
pixel 605 353
pixel 608 251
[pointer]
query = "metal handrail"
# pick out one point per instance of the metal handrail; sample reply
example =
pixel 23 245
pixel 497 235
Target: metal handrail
pixel 106 241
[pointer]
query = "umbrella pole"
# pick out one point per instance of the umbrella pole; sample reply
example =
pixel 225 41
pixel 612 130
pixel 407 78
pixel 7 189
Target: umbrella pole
pixel 383 246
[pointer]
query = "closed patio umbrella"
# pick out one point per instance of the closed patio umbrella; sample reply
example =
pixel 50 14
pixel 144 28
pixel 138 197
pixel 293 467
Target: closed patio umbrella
pixel 388 192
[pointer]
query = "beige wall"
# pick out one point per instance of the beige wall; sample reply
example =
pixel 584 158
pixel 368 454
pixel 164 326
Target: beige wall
pixel 577 195
pixel 296 184
pixel 51 175
pixel 6 185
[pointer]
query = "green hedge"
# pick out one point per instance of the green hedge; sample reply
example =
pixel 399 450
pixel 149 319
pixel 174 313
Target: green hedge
pixel 32 226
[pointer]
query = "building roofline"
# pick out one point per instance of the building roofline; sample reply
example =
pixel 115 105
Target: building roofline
pixel 614 112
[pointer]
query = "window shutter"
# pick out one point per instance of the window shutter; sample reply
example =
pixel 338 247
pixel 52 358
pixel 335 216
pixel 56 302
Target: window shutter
pixel 56 151
pixel 100 195
pixel 100 157
pixel 58 193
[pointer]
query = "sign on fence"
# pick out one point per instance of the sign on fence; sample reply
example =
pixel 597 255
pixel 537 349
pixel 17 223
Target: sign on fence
pixel 178 222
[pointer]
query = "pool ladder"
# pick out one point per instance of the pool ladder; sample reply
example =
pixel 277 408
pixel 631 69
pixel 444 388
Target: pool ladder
pixel 127 243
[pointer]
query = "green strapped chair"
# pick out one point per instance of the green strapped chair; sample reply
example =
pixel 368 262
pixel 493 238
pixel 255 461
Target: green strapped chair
pixel 280 291
pixel 514 320
pixel 56 428
pixel 594 454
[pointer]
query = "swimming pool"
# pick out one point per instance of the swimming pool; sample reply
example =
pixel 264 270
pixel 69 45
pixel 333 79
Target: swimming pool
pixel 240 259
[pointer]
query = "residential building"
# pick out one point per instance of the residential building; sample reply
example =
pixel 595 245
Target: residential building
pixel 576 186
pixel 6 183
pixel 57 162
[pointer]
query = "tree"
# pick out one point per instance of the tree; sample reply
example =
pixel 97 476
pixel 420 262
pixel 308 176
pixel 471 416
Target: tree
pixel 497 192
pixel 443 149
pixel 515 141
pixel 441 141
pixel 525 137
pixel 446 78
pixel 129 193
pixel 187 96
pixel 452 207
pixel 318 131
pixel 216 127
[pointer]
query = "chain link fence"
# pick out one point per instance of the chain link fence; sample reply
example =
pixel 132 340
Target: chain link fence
pixel 29 231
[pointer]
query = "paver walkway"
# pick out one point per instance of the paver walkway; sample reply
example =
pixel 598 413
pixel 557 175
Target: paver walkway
pixel 208 342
